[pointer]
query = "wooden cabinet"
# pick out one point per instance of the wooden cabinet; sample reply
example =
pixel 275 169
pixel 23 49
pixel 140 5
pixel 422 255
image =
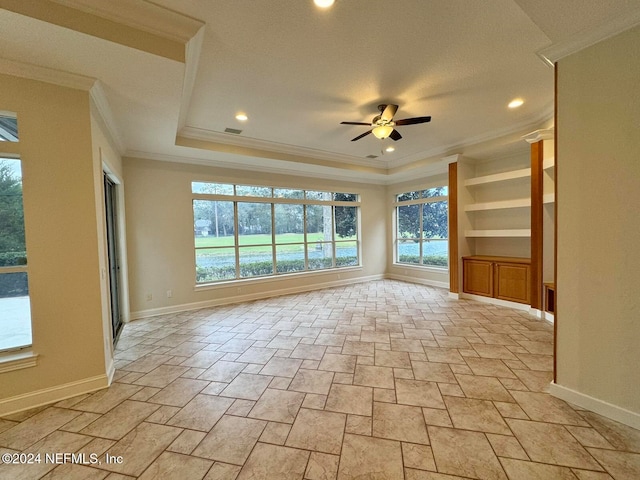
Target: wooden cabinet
pixel 505 278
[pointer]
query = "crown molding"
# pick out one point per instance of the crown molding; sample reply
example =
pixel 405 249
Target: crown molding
pixel 99 99
pixel 44 74
pixel 538 135
pixel 267 147
pixel 283 168
pixel 586 38
pixel 141 15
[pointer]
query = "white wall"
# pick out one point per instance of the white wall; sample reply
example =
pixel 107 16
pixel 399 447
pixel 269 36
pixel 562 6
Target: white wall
pixel 62 244
pixel 598 268
pixel 160 236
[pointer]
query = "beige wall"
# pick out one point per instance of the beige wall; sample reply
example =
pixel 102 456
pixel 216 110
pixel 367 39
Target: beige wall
pixel 160 236
pixel 61 235
pixel 598 175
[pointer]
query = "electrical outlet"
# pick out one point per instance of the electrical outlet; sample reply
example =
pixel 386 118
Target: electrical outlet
pixel 149 297
pixel 169 294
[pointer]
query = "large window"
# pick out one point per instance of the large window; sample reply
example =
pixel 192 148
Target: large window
pixel 422 227
pixel 15 310
pixel 244 231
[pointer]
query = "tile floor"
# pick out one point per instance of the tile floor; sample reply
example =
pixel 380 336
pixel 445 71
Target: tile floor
pixel 380 380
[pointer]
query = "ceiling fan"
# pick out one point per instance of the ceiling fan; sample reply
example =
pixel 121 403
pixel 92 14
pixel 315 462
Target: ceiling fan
pixel 382 126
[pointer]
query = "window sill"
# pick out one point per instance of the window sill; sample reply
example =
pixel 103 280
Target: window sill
pixel 11 361
pixel 422 268
pixel 274 278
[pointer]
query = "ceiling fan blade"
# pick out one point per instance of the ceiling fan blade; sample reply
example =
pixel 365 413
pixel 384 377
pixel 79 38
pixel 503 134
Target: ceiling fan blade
pixel 413 121
pixel 395 135
pixel 360 136
pixel 354 123
pixel 388 112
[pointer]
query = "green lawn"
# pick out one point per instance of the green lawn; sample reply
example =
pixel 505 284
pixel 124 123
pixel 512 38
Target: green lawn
pixel 281 241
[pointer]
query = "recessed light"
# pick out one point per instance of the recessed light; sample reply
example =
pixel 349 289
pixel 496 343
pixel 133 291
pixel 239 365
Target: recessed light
pixel 515 103
pixel 241 117
pixel 390 149
pixel 323 3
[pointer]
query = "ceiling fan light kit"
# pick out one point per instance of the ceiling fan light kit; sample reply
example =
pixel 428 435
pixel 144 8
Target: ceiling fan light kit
pixel 383 126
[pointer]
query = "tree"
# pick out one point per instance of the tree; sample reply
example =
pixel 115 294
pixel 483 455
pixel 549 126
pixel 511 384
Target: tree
pixel 346 217
pixel 11 210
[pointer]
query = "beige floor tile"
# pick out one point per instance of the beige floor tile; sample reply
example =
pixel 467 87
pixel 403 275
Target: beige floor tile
pixel 518 469
pixel 223 471
pixel 367 457
pixel 170 466
pixel 104 400
pixel 589 437
pixel 545 408
pixel 507 446
pixel 472 414
pixel 315 401
pixel 443 355
pixel 257 355
pixel 247 386
pixel 231 440
pixel 358 425
pixel 446 341
pixel 163 414
pixel 186 442
pixel 312 381
pixel 281 367
pixel 202 359
pixel 201 413
pixel 36 427
pixel 490 367
pixel 371 376
pixel 494 351
pixel 484 388
pixel 358 348
pixel 330 339
pixel 433 372
pixel 308 352
pixel 273 462
pixel 399 422
pixel 543 363
pixel 622 437
pixel 350 399
pixel 277 406
pixel 317 430
pixel 551 443
pixel 69 471
pixel 147 363
pixel 438 418
pixel 121 420
pixel 589 475
pixel 338 363
pixel 275 433
pixel 222 371
pixel 241 408
pixel 419 393
pixel 322 466
pixel 384 395
pixel 85 419
pixel 179 392
pixel 385 358
pixel 468 454
pixel 406 345
pixel 534 381
pixel 621 465
pixel 161 376
pixel 139 448
pixel 418 456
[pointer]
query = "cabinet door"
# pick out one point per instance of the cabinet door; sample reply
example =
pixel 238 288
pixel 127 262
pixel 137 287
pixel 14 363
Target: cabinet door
pixel 477 277
pixel 512 282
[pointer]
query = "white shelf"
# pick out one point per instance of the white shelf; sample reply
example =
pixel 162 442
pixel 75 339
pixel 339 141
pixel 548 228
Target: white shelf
pixel 499 177
pixel 549 198
pixel 516 203
pixel 524 232
pixel 548 163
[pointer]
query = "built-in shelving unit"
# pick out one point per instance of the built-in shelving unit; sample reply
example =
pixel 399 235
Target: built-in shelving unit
pixel 516 203
pixel 498 177
pixel 505 233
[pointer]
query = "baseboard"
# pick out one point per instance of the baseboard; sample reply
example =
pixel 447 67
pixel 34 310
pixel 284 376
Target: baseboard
pixel 549 317
pixel 421 281
pixel 184 307
pixel 455 296
pixel 52 394
pixel 600 407
pixel 496 301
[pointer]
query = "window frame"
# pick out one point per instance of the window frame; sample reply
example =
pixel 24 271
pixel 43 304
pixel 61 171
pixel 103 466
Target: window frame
pixel 273 200
pixel 420 239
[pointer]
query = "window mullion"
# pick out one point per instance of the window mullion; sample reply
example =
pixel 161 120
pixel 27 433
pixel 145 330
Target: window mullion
pixel 236 241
